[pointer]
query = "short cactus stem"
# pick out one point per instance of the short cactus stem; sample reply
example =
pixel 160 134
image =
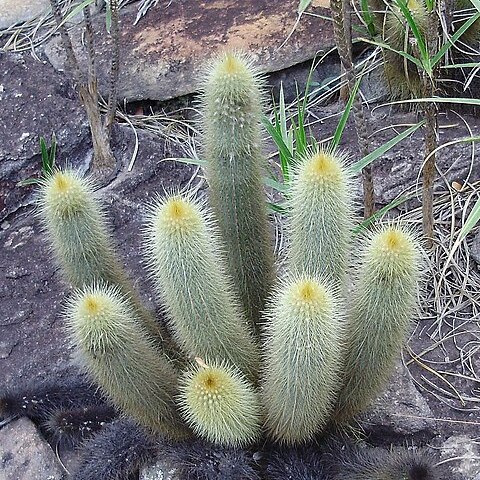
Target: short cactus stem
pixel 302 360
pixel 320 216
pixel 232 112
pixel 188 271
pixel 220 405
pixel 119 355
pixel 76 227
pixel 382 307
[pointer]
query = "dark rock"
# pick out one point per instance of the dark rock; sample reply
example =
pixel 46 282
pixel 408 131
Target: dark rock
pixel 162 55
pixel 25 455
pixel 400 410
pixel 35 100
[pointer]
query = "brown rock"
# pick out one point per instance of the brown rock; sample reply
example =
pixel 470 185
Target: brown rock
pixel 162 55
pixel 25 455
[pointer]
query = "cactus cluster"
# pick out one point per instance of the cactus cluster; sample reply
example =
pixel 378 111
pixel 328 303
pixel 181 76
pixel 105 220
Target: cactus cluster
pixel 286 357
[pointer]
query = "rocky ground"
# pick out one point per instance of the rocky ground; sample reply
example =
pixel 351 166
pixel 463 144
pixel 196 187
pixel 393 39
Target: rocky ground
pixel 32 292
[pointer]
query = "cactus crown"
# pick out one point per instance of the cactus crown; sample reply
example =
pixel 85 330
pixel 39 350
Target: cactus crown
pixel 215 275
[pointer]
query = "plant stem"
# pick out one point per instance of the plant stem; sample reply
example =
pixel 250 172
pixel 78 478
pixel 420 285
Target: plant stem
pixel 103 159
pixel 114 71
pixel 338 16
pixel 431 128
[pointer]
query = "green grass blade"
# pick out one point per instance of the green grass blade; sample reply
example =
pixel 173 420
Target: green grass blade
pixel 362 163
pixel 343 119
pixel 451 41
pixel 303 5
pixel 421 43
pixel 462 65
pixel 385 46
pixel 367 17
pixel 380 213
pixel 456 100
pixel 471 221
pixel 277 138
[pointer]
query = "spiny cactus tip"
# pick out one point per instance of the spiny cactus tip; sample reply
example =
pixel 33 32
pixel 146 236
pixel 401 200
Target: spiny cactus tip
pixel 220 405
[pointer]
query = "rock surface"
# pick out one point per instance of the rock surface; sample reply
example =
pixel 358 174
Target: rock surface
pixel 24 455
pixel 35 101
pixel 15 11
pixel 164 52
pixel 400 410
pixel 463 455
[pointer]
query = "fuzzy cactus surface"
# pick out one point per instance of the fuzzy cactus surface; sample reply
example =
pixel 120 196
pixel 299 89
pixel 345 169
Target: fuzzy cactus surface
pixel 187 266
pixel 232 103
pixel 123 360
pixel 220 405
pixel 381 309
pixel 320 216
pixel 302 359
pixel 76 226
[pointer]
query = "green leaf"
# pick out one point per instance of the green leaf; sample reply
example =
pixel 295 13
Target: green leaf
pixel 451 41
pixel 276 185
pixel 378 152
pixel 471 221
pixel 343 119
pixel 380 213
pixel 108 17
pixel 303 5
pixel 368 18
pixel 385 46
pixel 187 160
pixel 277 137
pixel 465 101
pixel 422 46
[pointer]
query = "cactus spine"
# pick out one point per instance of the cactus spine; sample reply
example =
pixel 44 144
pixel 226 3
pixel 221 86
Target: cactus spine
pixel 320 217
pixel 121 358
pixel 187 268
pixel 381 310
pixel 232 109
pixel 220 405
pixel 302 361
pixel 75 222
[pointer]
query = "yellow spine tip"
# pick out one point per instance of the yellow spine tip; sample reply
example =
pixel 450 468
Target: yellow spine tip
pixel 92 305
pixel 322 167
pixel 394 241
pixel 178 215
pixel 62 183
pixel 309 296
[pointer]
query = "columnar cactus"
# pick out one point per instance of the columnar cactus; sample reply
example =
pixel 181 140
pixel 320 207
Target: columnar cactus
pixel 321 217
pixel 322 361
pixel 302 359
pixel 187 267
pixel 381 309
pixel 232 110
pixel 220 405
pixel 122 359
pixel 76 227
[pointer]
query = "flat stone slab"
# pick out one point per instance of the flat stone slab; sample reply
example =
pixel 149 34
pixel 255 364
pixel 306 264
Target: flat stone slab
pixel 25 455
pixel 162 55
pixel 462 453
